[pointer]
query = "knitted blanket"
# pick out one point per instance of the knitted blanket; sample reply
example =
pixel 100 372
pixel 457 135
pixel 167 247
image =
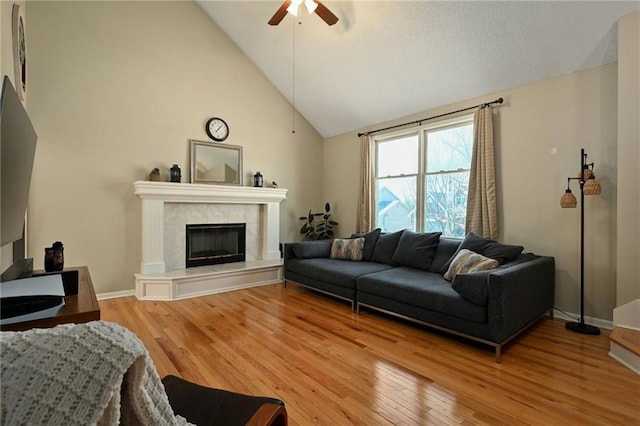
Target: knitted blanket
pixel 93 373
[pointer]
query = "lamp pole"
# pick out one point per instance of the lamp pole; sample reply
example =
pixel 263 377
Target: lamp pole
pixel 581 327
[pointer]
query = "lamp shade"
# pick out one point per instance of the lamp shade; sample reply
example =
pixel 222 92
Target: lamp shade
pixel 568 200
pixel 587 173
pixel 592 187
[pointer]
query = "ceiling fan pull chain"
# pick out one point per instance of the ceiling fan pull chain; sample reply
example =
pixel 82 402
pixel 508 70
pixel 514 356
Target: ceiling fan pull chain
pixel 293 81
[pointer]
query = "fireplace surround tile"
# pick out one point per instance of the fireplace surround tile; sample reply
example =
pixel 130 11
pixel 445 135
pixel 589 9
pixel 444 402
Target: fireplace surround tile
pixel 178 215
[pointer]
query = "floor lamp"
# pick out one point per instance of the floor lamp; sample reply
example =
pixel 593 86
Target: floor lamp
pixel 588 186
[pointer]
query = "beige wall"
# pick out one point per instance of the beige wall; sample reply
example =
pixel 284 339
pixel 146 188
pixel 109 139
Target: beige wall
pixel 6 60
pixel 628 259
pixel 539 130
pixel 117 88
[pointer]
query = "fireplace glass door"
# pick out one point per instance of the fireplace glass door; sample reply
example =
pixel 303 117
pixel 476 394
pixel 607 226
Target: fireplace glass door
pixel 211 244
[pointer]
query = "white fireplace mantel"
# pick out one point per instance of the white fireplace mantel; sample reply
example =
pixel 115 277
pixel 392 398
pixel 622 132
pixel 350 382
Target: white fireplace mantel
pixel 155 194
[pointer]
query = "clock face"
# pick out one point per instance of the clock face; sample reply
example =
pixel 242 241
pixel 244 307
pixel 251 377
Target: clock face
pixel 217 129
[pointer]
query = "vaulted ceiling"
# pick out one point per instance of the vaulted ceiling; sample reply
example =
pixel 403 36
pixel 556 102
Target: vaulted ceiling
pixel 388 59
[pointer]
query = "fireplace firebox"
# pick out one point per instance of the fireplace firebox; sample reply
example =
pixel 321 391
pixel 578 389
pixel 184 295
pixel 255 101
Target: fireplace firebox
pixel 215 243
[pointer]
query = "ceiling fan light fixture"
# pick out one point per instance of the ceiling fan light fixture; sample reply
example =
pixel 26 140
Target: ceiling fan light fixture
pixel 310 5
pixel 293 8
pixel 313 6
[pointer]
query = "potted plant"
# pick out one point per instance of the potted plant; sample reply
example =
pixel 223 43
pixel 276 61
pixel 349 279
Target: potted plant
pixel 318 226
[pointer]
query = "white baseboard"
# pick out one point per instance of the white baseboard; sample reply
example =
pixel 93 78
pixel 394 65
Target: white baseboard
pixel 569 316
pixel 115 294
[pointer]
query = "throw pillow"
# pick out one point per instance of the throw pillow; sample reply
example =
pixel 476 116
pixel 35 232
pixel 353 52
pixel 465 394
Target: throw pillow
pixel 416 250
pixel 370 239
pixel 447 248
pixel 473 286
pixel 467 261
pixel 386 247
pixel 347 249
pixel 503 253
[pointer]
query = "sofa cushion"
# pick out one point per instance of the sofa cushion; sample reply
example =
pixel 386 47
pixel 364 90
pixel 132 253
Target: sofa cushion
pixel 386 247
pixel 447 248
pixel 416 250
pixel 370 239
pixel 309 249
pixel 503 253
pixel 347 249
pixel 342 273
pixel 467 261
pixel 423 289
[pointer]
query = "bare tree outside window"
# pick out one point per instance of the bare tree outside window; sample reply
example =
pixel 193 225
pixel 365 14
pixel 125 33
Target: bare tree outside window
pixel 447 179
pixel 427 194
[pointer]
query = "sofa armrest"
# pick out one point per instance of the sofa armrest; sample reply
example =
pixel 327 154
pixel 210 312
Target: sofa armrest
pixel 287 252
pixel 307 249
pixel 519 295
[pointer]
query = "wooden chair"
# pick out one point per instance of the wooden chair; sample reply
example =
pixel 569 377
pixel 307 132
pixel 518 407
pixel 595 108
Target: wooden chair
pixel 205 406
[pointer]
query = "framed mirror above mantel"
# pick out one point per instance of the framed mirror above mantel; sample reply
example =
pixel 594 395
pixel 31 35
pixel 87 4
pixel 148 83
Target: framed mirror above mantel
pixel 215 163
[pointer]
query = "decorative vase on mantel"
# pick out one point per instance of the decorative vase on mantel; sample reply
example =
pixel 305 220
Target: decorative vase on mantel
pixel 176 176
pixel 258 180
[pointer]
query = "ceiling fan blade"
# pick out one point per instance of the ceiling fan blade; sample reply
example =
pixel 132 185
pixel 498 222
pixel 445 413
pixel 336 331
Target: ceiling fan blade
pixel 280 13
pixel 326 15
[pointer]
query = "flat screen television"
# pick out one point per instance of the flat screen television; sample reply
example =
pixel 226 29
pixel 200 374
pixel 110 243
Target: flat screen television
pixel 17 151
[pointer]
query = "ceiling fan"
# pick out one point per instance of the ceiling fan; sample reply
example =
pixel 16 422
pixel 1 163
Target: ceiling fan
pixel 291 6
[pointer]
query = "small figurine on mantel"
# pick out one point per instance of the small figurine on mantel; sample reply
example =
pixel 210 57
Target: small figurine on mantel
pixel 274 184
pixel 154 176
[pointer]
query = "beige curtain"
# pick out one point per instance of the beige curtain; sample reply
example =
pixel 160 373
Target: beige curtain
pixel 365 197
pixel 482 215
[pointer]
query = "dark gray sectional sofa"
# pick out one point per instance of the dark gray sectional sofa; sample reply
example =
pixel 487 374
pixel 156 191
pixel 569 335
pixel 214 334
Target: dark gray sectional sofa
pixel 402 274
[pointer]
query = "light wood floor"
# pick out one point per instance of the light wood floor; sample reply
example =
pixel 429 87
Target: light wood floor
pixel 333 367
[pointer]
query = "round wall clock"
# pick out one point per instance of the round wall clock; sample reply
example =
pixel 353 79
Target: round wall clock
pixel 19 52
pixel 217 129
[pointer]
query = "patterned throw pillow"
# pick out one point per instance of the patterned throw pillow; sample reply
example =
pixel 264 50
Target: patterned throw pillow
pixel 347 249
pixel 503 253
pixel 467 261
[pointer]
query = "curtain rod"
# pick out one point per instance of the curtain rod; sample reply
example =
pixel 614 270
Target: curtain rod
pixel 497 101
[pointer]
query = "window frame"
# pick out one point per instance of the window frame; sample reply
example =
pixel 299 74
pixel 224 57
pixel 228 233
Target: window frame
pixel 421 131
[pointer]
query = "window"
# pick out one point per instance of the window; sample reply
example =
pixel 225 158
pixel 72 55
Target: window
pixel 422 178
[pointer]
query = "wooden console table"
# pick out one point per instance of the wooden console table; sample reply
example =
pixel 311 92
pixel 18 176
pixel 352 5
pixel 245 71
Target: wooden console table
pixel 80 308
